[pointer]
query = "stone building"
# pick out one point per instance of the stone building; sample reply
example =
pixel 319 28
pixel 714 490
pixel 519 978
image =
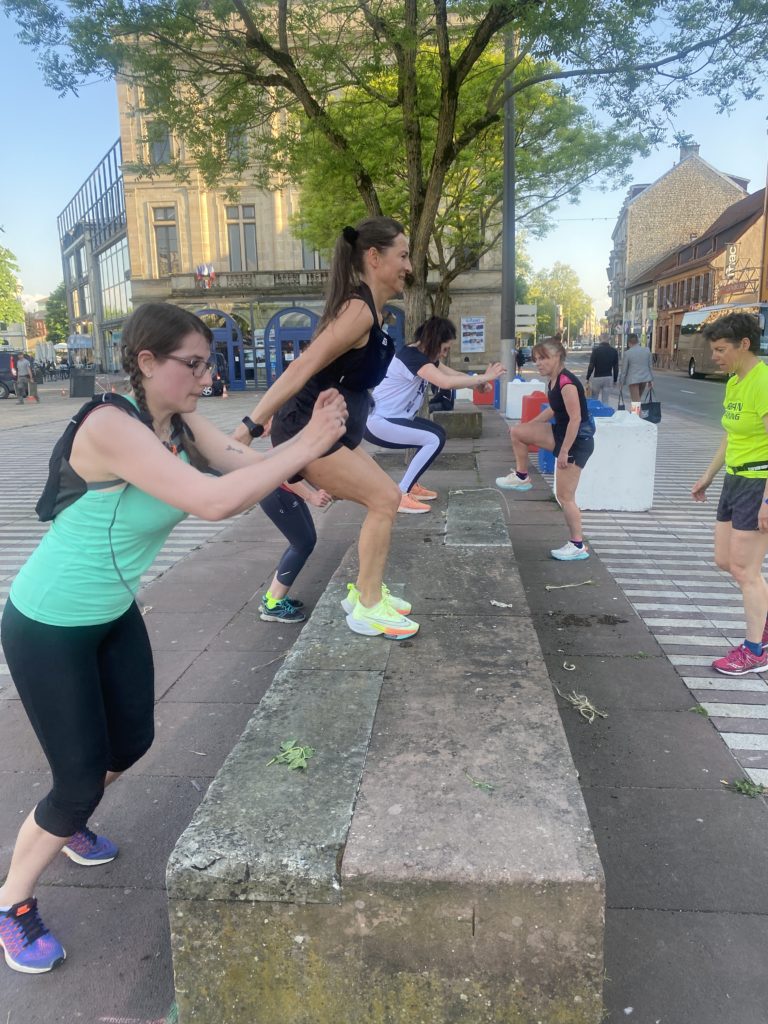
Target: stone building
pixel 136 230
pixel 654 221
pixel 721 266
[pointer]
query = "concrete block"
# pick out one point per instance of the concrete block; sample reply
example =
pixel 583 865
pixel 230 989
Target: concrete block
pixel 460 422
pixel 621 472
pixel 434 865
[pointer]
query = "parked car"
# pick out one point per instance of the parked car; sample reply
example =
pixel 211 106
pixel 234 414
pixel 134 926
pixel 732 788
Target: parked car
pixel 219 379
pixel 8 372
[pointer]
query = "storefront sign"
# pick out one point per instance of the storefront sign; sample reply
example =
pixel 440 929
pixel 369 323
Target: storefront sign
pixel 731 260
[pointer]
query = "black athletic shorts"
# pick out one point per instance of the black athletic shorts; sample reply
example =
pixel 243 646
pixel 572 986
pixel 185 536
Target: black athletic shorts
pixel 740 501
pixel 581 449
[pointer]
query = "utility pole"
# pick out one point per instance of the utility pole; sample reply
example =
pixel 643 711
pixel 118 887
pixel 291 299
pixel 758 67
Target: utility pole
pixel 763 293
pixel 508 270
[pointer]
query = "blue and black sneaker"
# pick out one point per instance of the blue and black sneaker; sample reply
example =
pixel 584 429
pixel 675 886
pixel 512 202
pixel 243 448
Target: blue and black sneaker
pixel 90 850
pixel 294 602
pixel 280 611
pixel 28 945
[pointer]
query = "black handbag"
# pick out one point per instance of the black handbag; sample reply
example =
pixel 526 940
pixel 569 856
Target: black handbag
pixel 650 410
pixel 621 407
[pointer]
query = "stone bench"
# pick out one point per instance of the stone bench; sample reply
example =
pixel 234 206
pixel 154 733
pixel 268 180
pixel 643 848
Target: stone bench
pixel 435 862
pixel 463 421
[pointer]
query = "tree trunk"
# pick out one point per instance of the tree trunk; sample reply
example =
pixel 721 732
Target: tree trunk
pixel 442 300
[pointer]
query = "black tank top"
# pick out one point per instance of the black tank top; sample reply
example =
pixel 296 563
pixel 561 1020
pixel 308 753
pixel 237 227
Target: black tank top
pixel 354 373
pixel 555 397
pixel 360 369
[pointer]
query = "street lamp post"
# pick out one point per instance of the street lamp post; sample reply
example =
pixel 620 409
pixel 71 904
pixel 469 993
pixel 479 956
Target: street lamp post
pixel 508 273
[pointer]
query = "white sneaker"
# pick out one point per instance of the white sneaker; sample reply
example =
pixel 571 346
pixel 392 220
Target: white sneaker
pixel 381 620
pixel 570 553
pixel 353 596
pixel 512 482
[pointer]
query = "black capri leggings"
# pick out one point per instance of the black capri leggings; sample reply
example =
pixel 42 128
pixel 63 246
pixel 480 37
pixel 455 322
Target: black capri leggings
pixel 89 694
pixel 291 516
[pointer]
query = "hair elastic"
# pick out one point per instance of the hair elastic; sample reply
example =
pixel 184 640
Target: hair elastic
pixel 350 235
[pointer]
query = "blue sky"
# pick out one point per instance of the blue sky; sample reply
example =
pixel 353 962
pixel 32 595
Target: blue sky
pixel 52 145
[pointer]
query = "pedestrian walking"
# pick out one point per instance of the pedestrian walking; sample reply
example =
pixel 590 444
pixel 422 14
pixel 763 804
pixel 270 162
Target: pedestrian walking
pixel 74 639
pixel 604 370
pixel 287 508
pixel 570 438
pixel 636 370
pixel 351 352
pixel 741 530
pixel 23 377
pixel 394 421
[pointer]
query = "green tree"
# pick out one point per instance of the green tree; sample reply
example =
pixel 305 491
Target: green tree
pixel 57 315
pixel 11 309
pixel 559 286
pixel 215 71
pixel 559 148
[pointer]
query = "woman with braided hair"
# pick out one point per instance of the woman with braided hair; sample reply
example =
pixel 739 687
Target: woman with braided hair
pixel 351 352
pixel 73 637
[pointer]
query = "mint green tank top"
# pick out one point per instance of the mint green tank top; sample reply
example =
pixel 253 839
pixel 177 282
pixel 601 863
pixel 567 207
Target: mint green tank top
pixel 73 576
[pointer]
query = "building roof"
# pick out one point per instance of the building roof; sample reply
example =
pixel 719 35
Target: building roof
pixel 740 214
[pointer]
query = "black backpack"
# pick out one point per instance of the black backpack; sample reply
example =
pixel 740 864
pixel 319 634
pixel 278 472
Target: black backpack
pixel 63 486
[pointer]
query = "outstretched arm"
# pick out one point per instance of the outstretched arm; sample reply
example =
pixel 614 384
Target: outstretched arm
pixel 111 444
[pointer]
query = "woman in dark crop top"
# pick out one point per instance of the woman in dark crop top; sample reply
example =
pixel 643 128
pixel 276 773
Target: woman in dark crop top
pixel 570 437
pixel 350 352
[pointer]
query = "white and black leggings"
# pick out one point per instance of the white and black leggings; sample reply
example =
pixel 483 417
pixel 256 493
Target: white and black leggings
pixel 419 433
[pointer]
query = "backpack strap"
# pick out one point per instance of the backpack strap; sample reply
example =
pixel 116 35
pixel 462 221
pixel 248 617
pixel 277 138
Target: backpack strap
pixel 64 486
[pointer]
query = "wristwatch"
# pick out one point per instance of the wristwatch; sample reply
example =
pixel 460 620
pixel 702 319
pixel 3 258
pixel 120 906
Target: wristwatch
pixel 254 429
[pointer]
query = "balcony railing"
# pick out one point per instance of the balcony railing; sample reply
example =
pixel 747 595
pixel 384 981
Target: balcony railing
pixel 287 281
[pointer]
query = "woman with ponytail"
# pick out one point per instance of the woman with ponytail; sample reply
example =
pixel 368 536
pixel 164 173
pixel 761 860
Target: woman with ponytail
pixel 73 637
pixel 351 352
pixel 394 423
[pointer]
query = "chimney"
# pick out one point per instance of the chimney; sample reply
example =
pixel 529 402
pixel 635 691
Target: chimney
pixel 688 149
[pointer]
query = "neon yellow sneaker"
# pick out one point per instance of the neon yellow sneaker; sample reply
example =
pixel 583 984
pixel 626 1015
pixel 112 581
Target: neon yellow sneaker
pixel 381 620
pixel 353 596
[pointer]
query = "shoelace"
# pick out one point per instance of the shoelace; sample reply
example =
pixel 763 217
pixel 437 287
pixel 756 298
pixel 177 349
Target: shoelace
pixel 90 836
pixel 32 928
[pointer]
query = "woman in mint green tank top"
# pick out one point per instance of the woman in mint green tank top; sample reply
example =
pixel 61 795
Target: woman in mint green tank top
pixel 73 638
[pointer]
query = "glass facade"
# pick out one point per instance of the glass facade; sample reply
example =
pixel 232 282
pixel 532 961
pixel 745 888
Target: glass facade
pixel 114 275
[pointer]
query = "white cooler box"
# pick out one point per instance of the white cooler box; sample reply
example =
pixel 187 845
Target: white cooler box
pixel 516 392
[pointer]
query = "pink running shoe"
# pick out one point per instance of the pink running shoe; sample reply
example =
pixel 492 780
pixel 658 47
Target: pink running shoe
pixel 740 661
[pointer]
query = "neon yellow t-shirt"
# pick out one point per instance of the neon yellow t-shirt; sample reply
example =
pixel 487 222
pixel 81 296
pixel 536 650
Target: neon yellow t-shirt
pixel 745 404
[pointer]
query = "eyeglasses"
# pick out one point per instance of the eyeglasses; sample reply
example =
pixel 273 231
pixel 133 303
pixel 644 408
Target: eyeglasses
pixel 199 367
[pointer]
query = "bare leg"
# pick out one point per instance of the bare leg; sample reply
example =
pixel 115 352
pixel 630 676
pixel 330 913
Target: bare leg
pixel 525 434
pixel 745 553
pixel 567 482
pixel 355 476
pixel 35 849
pixel 277 589
pixel 33 852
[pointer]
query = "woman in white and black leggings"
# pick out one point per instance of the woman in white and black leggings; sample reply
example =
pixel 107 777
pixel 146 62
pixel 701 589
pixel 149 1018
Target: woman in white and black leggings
pixel 393 423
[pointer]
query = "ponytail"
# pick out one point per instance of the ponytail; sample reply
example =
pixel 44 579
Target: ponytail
pixel 347 264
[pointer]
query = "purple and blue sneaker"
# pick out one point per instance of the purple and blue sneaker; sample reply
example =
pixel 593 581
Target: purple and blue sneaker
pixel 86 848
pixel 29 946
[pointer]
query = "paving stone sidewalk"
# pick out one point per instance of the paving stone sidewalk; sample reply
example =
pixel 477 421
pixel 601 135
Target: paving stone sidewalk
pixel 687 921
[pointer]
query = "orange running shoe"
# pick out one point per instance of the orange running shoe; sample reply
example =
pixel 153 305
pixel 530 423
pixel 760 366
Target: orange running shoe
pixel 417 491
pixel 409 504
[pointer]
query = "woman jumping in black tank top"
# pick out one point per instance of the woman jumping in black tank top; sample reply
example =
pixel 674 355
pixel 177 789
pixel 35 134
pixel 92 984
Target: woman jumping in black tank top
pixel 350 352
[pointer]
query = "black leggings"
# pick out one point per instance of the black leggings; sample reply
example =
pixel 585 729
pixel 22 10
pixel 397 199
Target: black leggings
pixel 291 516
pixel 89 694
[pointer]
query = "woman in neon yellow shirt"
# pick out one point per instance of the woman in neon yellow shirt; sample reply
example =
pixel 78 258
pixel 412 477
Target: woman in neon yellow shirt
pixel 741 533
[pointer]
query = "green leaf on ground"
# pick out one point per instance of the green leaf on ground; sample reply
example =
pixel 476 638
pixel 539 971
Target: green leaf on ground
pixel 487 787
pixel 292 754
pixel 746 787
pixel 697 709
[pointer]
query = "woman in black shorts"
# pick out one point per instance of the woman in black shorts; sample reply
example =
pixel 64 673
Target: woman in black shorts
pixel 741 531
pixel 350 352
pixel 570 438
